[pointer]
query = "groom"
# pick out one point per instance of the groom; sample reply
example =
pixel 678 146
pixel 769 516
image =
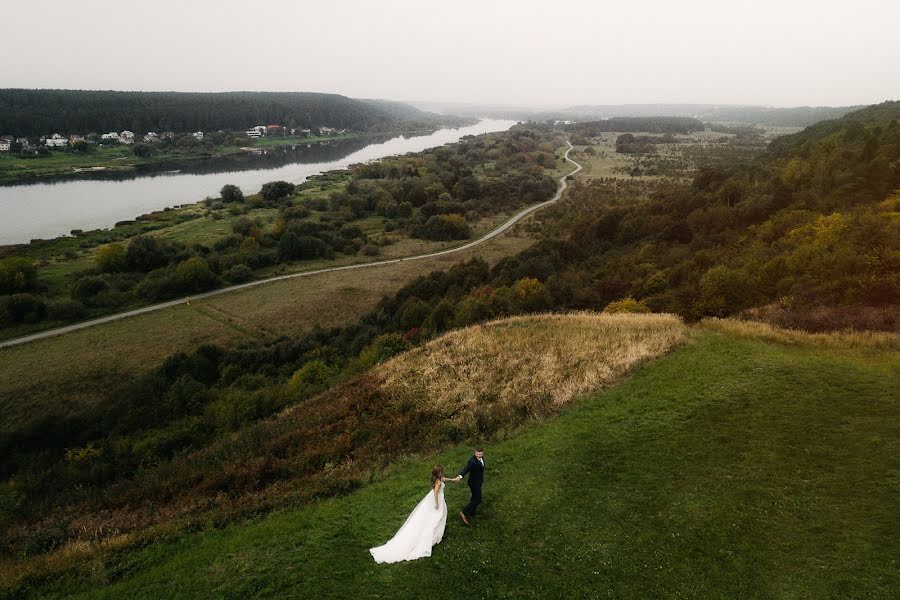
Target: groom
pixel 475 469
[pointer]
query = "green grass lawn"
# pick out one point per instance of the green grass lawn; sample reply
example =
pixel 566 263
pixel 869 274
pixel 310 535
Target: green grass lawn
pixel 732 468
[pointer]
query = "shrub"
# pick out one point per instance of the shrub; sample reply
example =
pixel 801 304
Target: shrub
pixel 231 193
pixel 17 275
pixel 413 312
pixel 382 348
pixel 313 376
pixel 275 190
pixel 626 305
pixel 146 253
pixel 238 273
pixel 112 258
pixel 297 247
pixel 194 275
pixel 530 295
pixel 66 310
pixel 23 308
pixel 370 250
pixel 444 228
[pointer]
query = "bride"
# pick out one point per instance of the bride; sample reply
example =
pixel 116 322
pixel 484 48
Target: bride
pixel 424 527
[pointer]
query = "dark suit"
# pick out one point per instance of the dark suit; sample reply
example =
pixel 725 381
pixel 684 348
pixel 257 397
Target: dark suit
pixel 475 470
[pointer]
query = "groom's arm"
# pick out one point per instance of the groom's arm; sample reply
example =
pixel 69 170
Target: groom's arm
pixel 465 470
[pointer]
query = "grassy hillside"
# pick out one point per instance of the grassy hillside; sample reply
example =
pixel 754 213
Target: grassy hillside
pixel 475 382
pixel 747 463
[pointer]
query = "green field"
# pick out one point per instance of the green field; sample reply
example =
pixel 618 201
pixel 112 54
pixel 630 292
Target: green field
pixel 738 466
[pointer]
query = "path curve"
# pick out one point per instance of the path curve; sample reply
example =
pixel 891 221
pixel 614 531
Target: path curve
pixel 153 307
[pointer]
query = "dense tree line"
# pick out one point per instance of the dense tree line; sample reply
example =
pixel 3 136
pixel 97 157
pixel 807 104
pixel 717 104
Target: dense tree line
pixel 26 112
pixel 636 124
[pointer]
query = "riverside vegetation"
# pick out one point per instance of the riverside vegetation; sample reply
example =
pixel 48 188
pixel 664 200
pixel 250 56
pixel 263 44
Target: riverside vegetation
pixel 438 196
pixel 166 437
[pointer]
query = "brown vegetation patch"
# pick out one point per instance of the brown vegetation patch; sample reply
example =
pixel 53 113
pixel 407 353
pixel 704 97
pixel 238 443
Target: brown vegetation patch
pixel 843 340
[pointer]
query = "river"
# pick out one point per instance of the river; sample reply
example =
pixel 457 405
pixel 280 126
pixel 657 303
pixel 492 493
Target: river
pixel 48 210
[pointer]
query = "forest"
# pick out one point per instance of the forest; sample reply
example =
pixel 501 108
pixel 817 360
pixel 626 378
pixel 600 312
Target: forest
pixel 637 124
pixel 31 113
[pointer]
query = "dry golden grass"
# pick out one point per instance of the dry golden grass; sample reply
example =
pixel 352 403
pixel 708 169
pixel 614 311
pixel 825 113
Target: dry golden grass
pixel 528 365
pixel 842 340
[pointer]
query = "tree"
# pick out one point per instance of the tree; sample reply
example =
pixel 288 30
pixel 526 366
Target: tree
pixel 231 193
pixel 445 227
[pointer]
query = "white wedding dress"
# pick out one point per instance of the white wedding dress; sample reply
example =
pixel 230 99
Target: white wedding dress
pixel 424 528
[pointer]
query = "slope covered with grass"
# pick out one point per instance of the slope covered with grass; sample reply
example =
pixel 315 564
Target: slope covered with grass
pixel 740 465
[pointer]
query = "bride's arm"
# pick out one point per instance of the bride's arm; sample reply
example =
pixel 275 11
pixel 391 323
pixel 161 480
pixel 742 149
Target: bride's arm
pixel 437 490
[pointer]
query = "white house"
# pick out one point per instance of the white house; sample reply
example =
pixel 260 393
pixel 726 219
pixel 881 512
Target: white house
pixel 198 135
pixel 23 141
pixel 55 141
pixel 112 135
pixel 151 137
pixel 5 144
pixel 326 130
pixel 255 132
pixel 126 137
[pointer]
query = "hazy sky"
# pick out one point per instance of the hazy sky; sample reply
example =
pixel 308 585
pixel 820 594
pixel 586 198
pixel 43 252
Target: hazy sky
pixel 783 53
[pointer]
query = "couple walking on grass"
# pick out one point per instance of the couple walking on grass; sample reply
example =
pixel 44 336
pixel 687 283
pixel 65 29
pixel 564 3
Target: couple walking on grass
pixel 424 527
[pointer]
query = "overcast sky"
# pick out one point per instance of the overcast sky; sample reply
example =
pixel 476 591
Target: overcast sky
pixel 552 52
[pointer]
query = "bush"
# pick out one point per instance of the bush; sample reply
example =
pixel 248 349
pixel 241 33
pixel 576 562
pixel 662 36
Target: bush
pixel 66 310
pixel 231 193
pixel 112 258
pixel 238 273
pixel 382 348
pixel 146 253
pixel 370 250
pixel 312 376
pixel 17 275
pixel 23 308
pixel 275 190
pixel 305 247
pixel 626 305
pixel 444 228
pixel 194 275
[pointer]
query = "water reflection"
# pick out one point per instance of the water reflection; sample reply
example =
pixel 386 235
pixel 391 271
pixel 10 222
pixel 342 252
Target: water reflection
pixel 47 210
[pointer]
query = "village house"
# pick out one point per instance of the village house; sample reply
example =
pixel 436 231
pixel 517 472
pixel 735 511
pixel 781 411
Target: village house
pixel 23 142
pixel 255 132
pixel 198 135
pixel 75 138
pixel 273 129
pixel 5 143
pixel 112 135
pixel 167 135
pixel 151 137
pixel 55 141
pixel 126 137
pixel 326 130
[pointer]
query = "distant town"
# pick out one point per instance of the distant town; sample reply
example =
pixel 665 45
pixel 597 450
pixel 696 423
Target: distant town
pixel 35 146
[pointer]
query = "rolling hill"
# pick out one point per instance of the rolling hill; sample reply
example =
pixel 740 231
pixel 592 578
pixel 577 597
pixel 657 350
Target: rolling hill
pixel 748 462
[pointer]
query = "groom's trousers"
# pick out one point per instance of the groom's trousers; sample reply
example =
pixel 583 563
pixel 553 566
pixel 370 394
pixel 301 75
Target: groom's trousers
pixel 469 510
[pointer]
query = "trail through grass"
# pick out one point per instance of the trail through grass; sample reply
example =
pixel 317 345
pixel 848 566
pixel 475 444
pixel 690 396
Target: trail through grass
pixel 735 467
